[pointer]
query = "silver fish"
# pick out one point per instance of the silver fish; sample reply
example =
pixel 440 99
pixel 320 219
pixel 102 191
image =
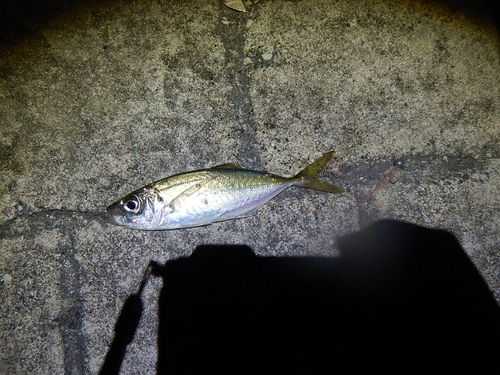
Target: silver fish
pixel 207 196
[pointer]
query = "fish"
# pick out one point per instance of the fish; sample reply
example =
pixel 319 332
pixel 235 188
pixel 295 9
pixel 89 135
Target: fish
pixel 206 196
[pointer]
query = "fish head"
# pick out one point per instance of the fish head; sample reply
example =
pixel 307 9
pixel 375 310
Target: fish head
pixel 136 210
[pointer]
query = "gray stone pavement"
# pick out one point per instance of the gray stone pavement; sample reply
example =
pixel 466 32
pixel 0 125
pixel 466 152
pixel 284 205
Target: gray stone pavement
pixel 100 98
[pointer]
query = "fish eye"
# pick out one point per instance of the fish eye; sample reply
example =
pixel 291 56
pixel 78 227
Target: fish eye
pixel 131 204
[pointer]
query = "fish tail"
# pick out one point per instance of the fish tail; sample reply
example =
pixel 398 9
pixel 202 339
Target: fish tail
pixel 309 176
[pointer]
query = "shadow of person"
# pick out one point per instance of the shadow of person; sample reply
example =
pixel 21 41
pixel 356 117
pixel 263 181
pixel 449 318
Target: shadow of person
pixel 400 298
pixel 125 328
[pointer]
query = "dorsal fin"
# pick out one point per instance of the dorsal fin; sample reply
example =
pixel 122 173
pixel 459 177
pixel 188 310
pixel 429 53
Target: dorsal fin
pixel 227 166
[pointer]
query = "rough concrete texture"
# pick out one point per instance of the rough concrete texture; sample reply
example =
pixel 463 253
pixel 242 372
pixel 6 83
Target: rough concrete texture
pixel 100 98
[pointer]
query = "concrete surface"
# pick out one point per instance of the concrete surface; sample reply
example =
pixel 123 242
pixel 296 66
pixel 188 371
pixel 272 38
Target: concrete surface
pixel 100 98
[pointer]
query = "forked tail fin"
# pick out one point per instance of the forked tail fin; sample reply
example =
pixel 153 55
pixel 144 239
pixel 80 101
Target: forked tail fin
pixel 309 176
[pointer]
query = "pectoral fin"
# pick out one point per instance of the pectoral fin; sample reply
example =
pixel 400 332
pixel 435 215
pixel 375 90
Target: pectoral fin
pixel 174 203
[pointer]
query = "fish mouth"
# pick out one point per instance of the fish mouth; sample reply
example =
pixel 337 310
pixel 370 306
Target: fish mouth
pixel 110 219
pixel 112 215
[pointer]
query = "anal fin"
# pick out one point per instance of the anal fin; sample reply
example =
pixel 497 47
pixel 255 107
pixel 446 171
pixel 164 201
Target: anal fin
pixel 242 216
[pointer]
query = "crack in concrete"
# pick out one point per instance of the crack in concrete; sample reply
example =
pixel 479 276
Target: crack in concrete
pixel 423 168
pixel 71 318
pixel 43 219
pixel 239 98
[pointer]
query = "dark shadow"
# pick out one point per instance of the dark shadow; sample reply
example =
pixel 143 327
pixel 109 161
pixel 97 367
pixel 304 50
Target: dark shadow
pixel 400 298
pixel 125 328
pixel 24 19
